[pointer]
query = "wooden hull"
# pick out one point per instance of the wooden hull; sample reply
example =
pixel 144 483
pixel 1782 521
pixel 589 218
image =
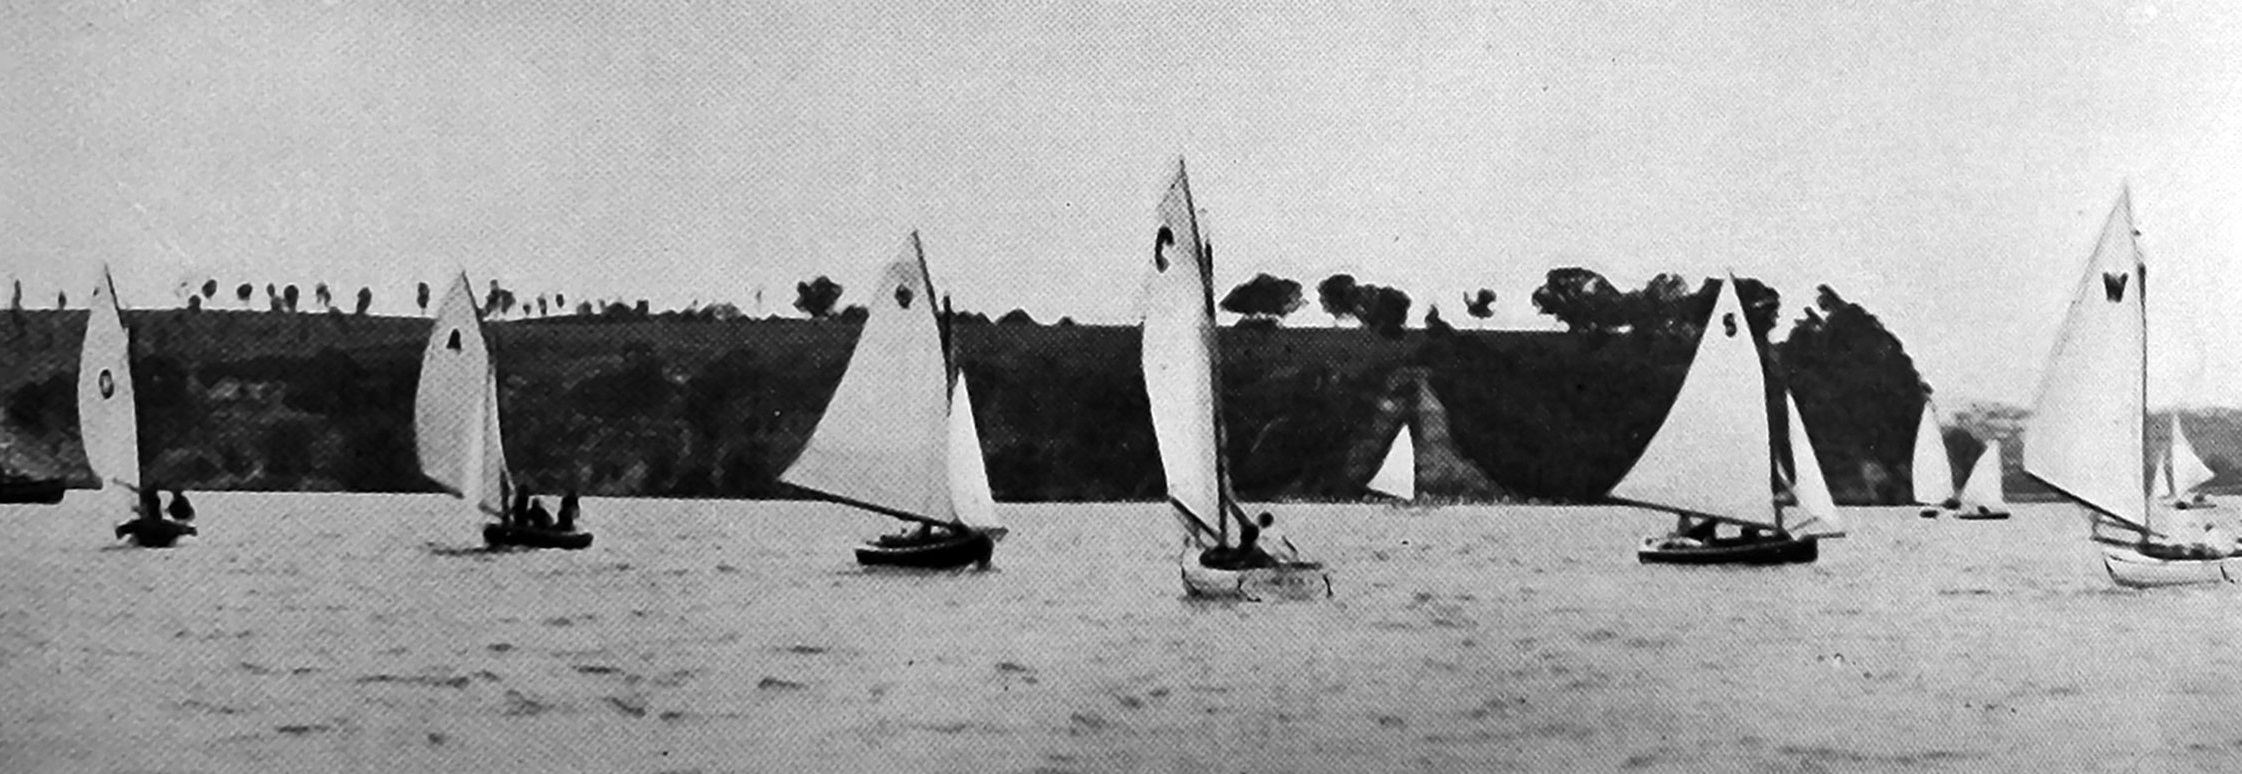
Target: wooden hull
pixel 2133 569
pixel 157 533
pixel 942 553
pixel 504 536
pixel 1779 550
pixel 43 491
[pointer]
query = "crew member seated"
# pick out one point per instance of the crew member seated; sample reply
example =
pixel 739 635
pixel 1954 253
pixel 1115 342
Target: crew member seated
pixel 537 516
pixel 181 509
pixel 1247 554
pixel 568 511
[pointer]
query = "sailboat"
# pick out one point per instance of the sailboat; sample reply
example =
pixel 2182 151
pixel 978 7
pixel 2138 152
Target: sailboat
pixel 2084 435
pixel 109 421
pixel 455 425
pixel 1981 497
pixel 1179 360
pixel 1397 475
pixel 2176 482
pixel 897 440
pixel 1712 459
pixel 1931 472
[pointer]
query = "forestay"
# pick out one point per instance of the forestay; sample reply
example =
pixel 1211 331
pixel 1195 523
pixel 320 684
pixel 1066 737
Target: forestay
pixel 884 437
pixel 1711 454
pixel 1178 360
pixel 455 408
pixel 108 420
pixel 1397 475
pixel 1817 511
pixel 1931 470
pixel 2084 434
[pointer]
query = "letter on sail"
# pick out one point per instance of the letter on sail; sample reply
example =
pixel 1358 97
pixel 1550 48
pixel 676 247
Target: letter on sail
pixel 108 421
pixel 1711 454
pixel 1178 357
pixel 2084 436
pixel 455 410
pixel 1931 469
pixel 884 436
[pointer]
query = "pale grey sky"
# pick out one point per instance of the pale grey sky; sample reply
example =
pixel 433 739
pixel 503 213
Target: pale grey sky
pixel 1946 164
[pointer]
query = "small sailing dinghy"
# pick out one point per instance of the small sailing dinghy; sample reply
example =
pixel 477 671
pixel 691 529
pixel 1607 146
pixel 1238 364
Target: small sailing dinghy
pixel 455 425
pixel 897 440
pixel 1931 471
pixel 109 422
pixel 1179 360
pixel 1397 475
pixel 1712 460
pixel 1980 498
pixel 2084 435
pixel 2176 482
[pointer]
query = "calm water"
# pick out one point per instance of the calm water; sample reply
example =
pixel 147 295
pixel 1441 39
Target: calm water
pixel 327 632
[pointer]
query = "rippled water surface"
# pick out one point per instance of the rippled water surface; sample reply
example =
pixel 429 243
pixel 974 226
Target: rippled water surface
pixel 343 632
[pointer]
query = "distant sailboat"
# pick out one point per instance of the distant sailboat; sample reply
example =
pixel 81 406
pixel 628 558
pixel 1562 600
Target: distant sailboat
pixel 455 424
pixel 1712 459
pixel 109 421
pixel 2176 483
pixel 1397 475
pixel 2084 435
pixel 1981 497
pixel 897 440
pixel 1931 470
pixel 1179 358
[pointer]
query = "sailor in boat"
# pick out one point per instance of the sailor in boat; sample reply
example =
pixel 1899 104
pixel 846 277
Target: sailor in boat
pixel 148 520
pixel 518 513
pixel 1694 532
pixel 568 511
pixel 180 509
pixel 537 516
pixel 1248 554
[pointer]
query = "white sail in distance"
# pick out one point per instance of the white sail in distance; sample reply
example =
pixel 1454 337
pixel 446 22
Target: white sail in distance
pixel 970 498
pixel 2084 434
pixel 1931 470
pixel 455 407
pixel 1178 360
pixel 2188 470
pixel 108 419
pixel 1817 512
pixel 1983 489
pixel 1711 455
pixel 1397 475
pixel 884 437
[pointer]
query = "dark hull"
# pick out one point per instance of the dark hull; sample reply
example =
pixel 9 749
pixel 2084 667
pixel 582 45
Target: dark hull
pixel 942 553
pixel 1975 516
pixel 1760 552
pixel 153 534
pixel 503 536
pixel 43 491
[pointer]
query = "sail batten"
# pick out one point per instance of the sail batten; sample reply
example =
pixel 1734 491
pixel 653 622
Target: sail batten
pixel 1711 454
pixel 884 438
pixel 108 419
pixel 2084 434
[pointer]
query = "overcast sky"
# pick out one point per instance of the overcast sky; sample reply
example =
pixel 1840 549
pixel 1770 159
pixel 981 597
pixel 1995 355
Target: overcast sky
pixel 1945 165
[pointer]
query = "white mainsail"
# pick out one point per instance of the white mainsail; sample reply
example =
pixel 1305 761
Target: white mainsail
pixel 455 407
pixel 1931 469
pixel 1178 358
pixel 1711 455
pixel 108 421
pixel 2084 435
pixel 2188 470
pixel 970 498
pixel 1817 511
pixel 1983 489
pixel 1397 475
pixel 884 439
